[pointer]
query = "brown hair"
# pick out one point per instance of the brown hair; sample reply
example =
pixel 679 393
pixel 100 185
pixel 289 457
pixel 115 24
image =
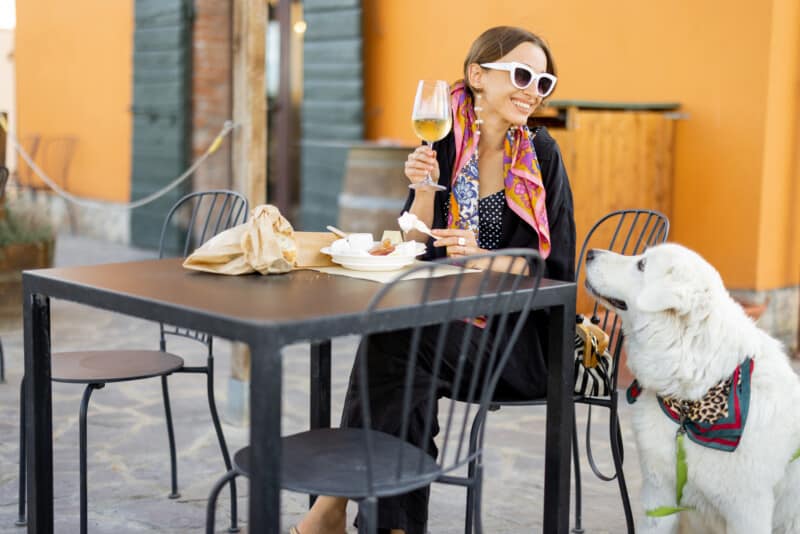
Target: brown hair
pixel 496 42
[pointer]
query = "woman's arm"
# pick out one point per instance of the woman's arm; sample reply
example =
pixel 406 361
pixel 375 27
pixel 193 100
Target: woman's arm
pixel 427 205
pixel 560 264
pixel 514 265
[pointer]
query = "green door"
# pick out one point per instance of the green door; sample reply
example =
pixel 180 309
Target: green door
pixel 162 74
pixel 333 104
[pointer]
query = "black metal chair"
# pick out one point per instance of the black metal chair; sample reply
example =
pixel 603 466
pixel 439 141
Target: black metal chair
pixel 197 217
pixel 633 232
pixel 627 232
pixel 365 464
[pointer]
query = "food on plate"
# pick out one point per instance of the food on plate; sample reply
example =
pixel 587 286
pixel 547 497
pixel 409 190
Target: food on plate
pixel 360 242
pixel 406 221
pixel 384 248
pixel 409 221
pixel 407 248
pixel 340 246
pixel 394 236
pixel 404 249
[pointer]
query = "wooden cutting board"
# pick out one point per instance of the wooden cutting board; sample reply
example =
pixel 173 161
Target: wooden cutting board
pixel 308 249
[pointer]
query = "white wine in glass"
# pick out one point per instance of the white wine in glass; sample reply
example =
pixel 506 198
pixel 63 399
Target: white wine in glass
pixel 432 119
pixel 431 129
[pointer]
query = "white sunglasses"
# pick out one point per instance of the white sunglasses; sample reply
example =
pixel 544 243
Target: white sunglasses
pixel 522 76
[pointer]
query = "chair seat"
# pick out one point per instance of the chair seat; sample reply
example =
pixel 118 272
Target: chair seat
pixel 332 461
pixel 518 402
pixel 102 366
pixel 501 399
pixel 542 401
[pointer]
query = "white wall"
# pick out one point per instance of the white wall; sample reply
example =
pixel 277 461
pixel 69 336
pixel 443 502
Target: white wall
pixel 7 86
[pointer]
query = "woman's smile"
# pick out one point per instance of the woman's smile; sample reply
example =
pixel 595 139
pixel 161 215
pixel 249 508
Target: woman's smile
pixel 522 105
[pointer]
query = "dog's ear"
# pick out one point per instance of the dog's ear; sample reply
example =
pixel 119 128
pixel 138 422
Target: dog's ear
pixel 680 299
pixel 664 298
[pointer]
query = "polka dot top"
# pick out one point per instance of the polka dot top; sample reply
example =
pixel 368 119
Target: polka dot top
pixel 490 216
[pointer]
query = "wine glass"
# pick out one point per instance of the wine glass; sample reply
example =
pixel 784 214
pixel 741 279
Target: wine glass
pixel 431 119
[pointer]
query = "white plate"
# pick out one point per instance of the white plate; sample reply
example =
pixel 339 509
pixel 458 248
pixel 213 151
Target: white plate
pixel 358 262
pixel 384 266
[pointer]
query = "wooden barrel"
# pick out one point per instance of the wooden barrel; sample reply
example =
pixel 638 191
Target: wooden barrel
pixel 4 115
pixel 374 188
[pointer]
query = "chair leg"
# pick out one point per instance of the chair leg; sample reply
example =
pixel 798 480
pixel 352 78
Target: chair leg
pixel 211 506
pixel 469 513
pixel 368 516
pixel 616 452
pixel 21 522
pixel 576 462
pixel 173 462
pixel 477 516
pixel 471 469
pixel 212 406
pixel 87 393
pixel 2 364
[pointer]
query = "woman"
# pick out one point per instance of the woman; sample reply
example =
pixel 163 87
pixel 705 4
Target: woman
pixel 506 187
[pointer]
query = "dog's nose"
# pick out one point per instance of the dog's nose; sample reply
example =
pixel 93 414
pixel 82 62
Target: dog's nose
pixel 590 255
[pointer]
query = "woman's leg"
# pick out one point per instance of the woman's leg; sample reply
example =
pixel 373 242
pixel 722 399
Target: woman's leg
pixel 387 358
pixel 386 364
pixel 387 361
pixel 327 516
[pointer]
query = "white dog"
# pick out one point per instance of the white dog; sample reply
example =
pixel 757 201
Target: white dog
pixel 686 335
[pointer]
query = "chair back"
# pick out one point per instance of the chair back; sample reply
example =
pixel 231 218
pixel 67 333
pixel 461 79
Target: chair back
pixel 200 216
pixel 627 232
pixel 25 175
pixel 57 156
pixel 503 301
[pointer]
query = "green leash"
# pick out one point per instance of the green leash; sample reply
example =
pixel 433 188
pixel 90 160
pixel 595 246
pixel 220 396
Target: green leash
pixel 681 474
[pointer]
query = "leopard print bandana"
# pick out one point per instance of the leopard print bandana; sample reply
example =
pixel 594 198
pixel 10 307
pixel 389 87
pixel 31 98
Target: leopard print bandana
pixel 717 420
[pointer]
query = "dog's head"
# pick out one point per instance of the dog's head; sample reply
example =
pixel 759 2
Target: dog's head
pixel 668 297
pixel 665 279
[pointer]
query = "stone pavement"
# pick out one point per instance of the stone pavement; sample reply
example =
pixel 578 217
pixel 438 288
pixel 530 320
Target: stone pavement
pixel 129 460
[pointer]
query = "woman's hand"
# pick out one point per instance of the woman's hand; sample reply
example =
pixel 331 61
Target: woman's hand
pixel 458 242
pixel 421 162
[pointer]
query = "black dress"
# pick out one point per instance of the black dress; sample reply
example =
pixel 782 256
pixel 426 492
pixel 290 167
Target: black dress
pixel 525 375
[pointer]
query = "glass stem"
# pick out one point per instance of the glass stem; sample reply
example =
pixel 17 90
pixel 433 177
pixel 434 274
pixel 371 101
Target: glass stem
pixel 428 177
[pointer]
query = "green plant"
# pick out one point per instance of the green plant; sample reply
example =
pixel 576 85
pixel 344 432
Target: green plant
pixel 23 225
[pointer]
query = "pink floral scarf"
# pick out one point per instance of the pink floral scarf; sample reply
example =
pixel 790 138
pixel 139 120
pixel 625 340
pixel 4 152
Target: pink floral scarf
pixel 524 190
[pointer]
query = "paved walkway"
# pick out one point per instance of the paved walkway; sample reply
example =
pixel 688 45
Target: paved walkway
pixel 128 458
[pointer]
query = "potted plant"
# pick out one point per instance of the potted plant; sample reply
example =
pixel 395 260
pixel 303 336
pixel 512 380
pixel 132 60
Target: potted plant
pixel 753 309
pixel 26 242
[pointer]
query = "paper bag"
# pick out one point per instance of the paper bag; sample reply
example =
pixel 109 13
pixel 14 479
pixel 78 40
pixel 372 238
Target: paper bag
pixel 264 244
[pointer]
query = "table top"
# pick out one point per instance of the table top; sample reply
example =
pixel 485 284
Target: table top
pixel 300 305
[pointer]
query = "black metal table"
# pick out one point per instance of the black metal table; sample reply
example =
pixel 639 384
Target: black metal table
pixel 267 313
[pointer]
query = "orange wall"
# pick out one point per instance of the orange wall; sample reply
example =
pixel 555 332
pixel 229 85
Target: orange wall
pixel 718 58
pixel 778 239
pixel 74 62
